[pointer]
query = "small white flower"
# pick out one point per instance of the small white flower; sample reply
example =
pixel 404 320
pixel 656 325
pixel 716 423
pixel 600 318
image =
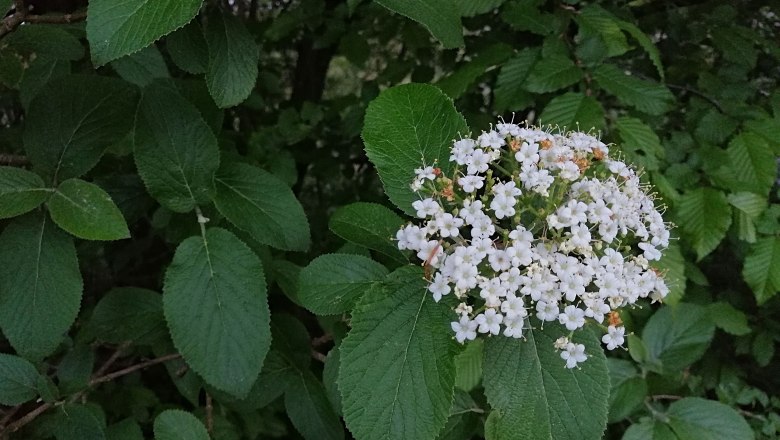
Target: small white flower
pixel 464 329
pixel 614 337
pixel 439 287
pixel 471 183
pixel 572 317
pixel 489 322
pixel 574 354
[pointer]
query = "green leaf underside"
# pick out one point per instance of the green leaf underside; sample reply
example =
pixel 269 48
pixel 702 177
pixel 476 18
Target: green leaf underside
pixel 370 225
pixel 440 17
pixel 552 73
pixel 120 27
pixel 408 126
pixel 333 283
pixel 20 191
pixel 705 216
pixel 510 93
pixel 129 314
pixel 258 202
pixel 677 336
pixel 536 397
pixel 762 268
pixel 233 55
pixel 310 410
pixel 187 48
pixel 175 150
pixel 86 211
pixel 73 120
pixel 215 305
pixel 174 424
pixel 142 67
pixel 18 379
pixel 39 272
pixel 647 96
pixel 728 318
pixel 399 356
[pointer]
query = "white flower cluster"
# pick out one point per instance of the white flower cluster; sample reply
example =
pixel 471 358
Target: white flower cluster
pixel 534 223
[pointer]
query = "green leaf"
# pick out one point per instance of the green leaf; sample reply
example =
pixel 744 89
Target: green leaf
pixel 369 225
pixel 115 29
pixel 694 418
pixel 438 16
pixel 406 127
pixel 174 424
pixel 127 429
pixel 646 43
pixel 752 163
pixel 78 422
pixel 188 50
pixel 535 396
pixel 142 67
pixel 468 366
pixel 330 375
pixel 573 111
pixel 704 216
pixel 715 127
pixel 309 409
pixel 628 389
pixel 649 430
pixel 639 142
pixel 256 201
pixel 510 93
pixel 672 263
pixel 524 15
pixel 175 150
pixel 20 191
pixel 728 319
pixel 73 119
pixel 456 84
pixel 233 55
pixel 749 206
pixel 38 73
pixel 129 314
pixel 646 96
pixel 40 285
pixel 763 348
pixel 677 336
pixel 762 268
pixel 75 369
pixel 86 211
pixel 44 40
pixel 471 8
pixel 552 73
pixel 596 20
pixel 333 283
pixel 399 356
pixel 18 380
pixel 215 304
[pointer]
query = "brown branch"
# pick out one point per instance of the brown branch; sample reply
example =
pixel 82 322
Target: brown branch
pixel 102 370
pixel 21 15
pixel 318 356
pixel 14 160
pixel 32 415
pixel 57 19
pixel 209 414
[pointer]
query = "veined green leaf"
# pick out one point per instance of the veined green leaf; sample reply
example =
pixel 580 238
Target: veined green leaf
pixel 369 225
pixel 762 268
pixel 704 215
pixel 573 111
pixel 174 424
pixel 215 304
pixel 86 211
pixel 677 336
pixel 39 274
pixel 233 55
pixel 333 283
pixel 18 380
pixel 647 96
pixel 20 191
pixel 438 16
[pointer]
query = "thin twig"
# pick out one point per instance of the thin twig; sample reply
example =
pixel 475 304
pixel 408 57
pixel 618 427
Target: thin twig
pixel 29 417
pixel 321 340
pixel 706 97
pixel 103 368
pixel 22 15
pixel 57 19
pixel 133 368
pixel 319 356
pixel 665 397
pixel 209 414
pixel 14 160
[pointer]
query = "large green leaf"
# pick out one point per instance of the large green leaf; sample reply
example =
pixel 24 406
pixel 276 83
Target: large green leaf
pixel 628 389
pixel 142 67
pixel 524 15
pixel 187 48
pixel 694 418
pixel 438 16
pixel 215 304
pixel 370 225
pixel 728 318
pixel 40 285
pixel 175 150
pixel 752 163
pixel 649 430
pixel 534 396
pixel 333 283
pixel 174 424
pixel 574 111
pixel 86 211
pixel 647 96
pixel 40 71
pixel 118 28
pixel 78 422
pixel 459 81
pixel 256 201
pixel 73 120
pixel 233 55
pixel 399 357
pixel 646 43
pixel 749 207
pixel 704 215
pixel 20 191
pixel 129 314
pixel 470 8
pixel 406 127
pixel 18 380
pixel 762 268
pixel 594 19
pixel 677 336
pixel 309 409
pixel 510 93
pixel 552 73
pixel 640 143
